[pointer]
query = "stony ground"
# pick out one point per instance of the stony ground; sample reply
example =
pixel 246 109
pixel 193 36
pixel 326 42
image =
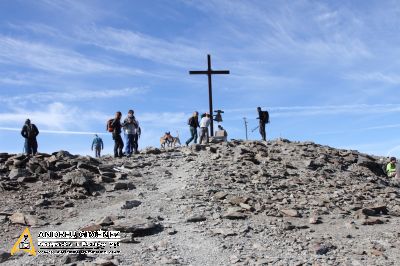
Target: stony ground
pixel 236 203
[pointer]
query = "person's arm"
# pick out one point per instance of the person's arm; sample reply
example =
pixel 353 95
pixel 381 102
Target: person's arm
pixel 93 143
pixel 23 131
pixel 102 145
pixel 36 130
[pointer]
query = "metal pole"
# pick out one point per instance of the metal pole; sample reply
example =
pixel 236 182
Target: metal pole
pixel 245 126
pixel 210 95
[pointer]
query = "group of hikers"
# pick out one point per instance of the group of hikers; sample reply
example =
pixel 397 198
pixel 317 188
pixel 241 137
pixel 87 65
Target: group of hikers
pixel 132 131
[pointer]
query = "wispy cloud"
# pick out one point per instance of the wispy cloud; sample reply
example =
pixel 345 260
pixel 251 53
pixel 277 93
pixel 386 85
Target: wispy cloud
pixel 360 109
pixel 171 52
pixel 392 79
pixel 44 57
pixel 56 116
pixel 62 132
pixel 71 95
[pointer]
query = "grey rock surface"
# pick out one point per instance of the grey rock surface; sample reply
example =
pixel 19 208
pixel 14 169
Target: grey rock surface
pixel 232 203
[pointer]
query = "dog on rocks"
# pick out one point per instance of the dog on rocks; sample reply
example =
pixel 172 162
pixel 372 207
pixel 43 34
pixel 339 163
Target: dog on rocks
pixel 169 141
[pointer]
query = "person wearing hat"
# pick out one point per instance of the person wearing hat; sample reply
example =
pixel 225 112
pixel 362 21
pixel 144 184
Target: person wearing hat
pixel 204 124
pixel 30 132
pixel 391 167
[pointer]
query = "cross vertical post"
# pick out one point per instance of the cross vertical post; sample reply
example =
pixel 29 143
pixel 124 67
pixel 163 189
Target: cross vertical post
pixel 210 103
pixel 210 72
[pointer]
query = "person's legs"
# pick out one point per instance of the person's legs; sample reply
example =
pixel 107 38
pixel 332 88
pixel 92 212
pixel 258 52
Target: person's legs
pixel 207 135
pixel 116 144
pixel 98 149
pixel 27 147
pixel 262 131
pixel 202 134
pixel 34 146
pixel 128 146
pixel 195 135
pixel 120 145
pixel 135 144
pixel 191 136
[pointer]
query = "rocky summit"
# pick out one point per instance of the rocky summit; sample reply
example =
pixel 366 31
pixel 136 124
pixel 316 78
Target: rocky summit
pixel 233 203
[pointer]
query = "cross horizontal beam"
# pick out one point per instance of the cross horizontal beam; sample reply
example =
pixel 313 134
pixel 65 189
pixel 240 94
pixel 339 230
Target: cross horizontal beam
pixel 194 72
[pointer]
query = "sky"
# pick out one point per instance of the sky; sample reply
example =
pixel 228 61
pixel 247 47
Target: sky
pixel 327 71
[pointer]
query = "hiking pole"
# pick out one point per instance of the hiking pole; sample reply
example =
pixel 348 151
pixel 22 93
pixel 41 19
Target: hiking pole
pixel 254 129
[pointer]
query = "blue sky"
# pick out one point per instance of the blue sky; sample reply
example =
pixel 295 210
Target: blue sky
pixel 327 71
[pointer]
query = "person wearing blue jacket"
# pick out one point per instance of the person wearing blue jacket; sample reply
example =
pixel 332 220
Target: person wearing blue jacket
pixel 98 145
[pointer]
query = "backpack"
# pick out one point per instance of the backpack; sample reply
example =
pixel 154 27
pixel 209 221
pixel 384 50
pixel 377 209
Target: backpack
pixel 31 131
pixel 265 116
pixel 189 122
pixel 109 126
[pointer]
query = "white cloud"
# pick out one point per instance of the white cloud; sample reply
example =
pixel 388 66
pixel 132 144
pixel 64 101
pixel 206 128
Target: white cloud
pixel 56 116
pixel 355 109
pixel 44 57
pixel 71 95
pixel 174 52
pixel 62 132
pixel 377 76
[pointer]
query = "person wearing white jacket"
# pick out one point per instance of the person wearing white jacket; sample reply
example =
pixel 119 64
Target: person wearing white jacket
pixel 204 124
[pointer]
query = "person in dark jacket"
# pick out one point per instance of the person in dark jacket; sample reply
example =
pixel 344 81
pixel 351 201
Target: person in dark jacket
pixel 193 124
pixel 30 132
pixel 263 117
pixel 116 134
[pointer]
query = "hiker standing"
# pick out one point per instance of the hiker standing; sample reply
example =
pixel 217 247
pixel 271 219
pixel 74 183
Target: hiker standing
pixel 263 117
pixel 130 126
pixel 97 144
pixel 29 132
pixel 193 123
pixel 204 124
pixel 116 134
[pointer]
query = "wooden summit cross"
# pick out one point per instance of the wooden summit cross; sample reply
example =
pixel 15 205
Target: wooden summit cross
pixel 209 72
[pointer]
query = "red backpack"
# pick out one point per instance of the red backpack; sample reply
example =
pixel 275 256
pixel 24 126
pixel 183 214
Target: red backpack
pixel 109 126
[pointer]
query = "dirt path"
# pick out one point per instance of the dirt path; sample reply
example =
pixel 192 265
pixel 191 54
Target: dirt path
pixel 162 196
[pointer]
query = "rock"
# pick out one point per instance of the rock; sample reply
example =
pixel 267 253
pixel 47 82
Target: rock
pixel 314 220
pixel 17 218
pixel 105 262
pixel 27 179
pixel 322 249
pixel 371 221
pixel 129 204
pixel 15 173
pixel 124 185
pixel 71 258
pixel 220 195
pixel 90 168
pixel 4 256
pixel 136 226
pixel 107 220
pixel 195 219
pixel 76 179
pixel 91 228
pixel 154 151
pixel 290 212
pixel 224 232
pixel 42 202
pixel 375 252
pixel 234 215
pixel 236 200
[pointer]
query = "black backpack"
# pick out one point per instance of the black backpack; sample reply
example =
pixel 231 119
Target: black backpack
pixel 264 116
pixel 31 131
